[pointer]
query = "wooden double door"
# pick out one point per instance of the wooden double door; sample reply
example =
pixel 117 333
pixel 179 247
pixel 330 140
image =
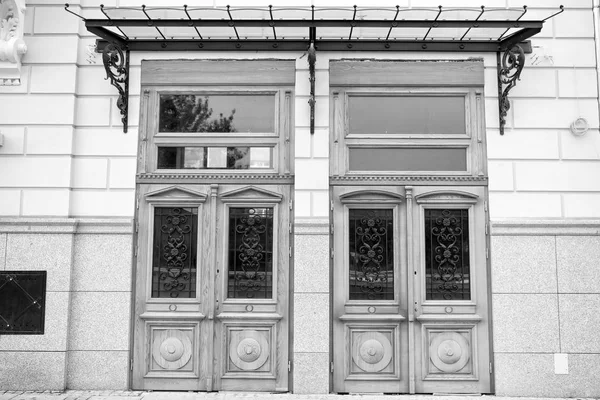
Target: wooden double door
pixel 410 290
pixel 211 302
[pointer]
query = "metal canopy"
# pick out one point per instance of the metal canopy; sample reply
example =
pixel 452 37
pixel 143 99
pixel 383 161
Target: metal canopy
pixel 500 30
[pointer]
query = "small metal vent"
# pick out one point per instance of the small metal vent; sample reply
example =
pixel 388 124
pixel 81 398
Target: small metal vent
pixel 22 302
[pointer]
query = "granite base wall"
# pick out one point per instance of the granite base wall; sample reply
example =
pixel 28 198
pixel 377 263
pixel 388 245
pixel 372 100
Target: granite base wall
pixel 85 344
pixel 545 299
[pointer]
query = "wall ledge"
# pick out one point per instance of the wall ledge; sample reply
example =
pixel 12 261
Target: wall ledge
pixel 546 227
pixel 66 225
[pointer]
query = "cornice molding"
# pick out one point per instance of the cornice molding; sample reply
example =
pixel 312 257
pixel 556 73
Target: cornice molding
pixel 208 178
pixel 408 179
pixel 12 46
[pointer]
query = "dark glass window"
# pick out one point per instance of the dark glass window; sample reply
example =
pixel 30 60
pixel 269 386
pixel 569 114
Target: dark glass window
pixel 217 113
pixel 174 252
pixel 22 302
pixel 407 114
pixel 250 252
pixel 239 157
pixel 447 254
pixel 407 159
pixel 371 243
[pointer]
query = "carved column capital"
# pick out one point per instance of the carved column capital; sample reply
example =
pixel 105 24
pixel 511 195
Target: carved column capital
pixel 12 46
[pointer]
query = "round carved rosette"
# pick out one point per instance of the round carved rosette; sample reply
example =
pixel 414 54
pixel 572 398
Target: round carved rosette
pixel 372 351
pixel 449 352
pixel 248 350
pixel 171 349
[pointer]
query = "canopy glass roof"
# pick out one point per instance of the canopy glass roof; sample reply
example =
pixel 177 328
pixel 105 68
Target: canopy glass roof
pixel 354 28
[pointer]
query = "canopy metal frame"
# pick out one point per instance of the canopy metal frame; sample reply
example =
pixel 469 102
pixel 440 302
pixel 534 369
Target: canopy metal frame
pixel 510 46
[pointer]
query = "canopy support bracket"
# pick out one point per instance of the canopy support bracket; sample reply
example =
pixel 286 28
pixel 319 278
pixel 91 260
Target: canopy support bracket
pixel 312 59
pixel 510 64
pixel 116 64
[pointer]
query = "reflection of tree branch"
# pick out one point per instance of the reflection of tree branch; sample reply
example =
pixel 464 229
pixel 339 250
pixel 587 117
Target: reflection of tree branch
pixel 190 113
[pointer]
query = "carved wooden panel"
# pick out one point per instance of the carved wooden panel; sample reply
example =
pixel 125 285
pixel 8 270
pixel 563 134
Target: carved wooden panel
pixel 450 353
pixel 172 349
pixel 373 351
pixel 250 349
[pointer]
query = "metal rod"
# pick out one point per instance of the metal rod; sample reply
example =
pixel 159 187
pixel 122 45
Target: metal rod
pixel 434 23
pixel 352 24
pixel 272 21
pixel 467 46
pixel 507 29
pixel 392 27
pixel 75 14
pixel 312 59
pixel 562 9
pixel 152 22
pixel 232 23
pixel 312 13
pixel 476 19
pixel 111 22
pixel 321 23
pixel 190 18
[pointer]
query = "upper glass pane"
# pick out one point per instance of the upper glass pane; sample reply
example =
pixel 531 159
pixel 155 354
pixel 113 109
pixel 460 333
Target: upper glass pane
pixel 371 245
pixel 447 254
pixel 406 114
pixel 246 113
pixel 407 159
pixel 239 157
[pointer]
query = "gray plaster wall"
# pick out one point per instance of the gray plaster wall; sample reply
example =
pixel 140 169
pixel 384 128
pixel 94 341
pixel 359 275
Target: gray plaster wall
pixel 85 344
pixel 545 302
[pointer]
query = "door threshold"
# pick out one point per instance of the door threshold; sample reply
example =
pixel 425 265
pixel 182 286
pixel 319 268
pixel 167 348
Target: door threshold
pixel 458 394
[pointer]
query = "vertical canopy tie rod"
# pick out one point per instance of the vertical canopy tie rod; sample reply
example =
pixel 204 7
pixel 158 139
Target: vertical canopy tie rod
pixel 272 23
pixel 150 22
pixel 232 24
pixel 110 21
pixel 74 13
pixel 191 23
pixel 116 65
pixel 434 24
pixel 474 25
pixel 508 29
pixel 352 24
pixel 394 24
pixel 510 65
pixel 312 59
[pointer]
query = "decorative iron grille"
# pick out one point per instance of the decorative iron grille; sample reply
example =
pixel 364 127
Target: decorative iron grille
pixel 174 255
pixel 447 254
pixel 371 244
pixel 22 302
pixel 250 253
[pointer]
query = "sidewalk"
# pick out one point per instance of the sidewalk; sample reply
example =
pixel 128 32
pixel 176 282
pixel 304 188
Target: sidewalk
pixel 139 395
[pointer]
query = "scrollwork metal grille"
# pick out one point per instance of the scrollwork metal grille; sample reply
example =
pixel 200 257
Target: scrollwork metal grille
pixel 250 253
pixel 447 254
pixel 174 255
pixel 22 302
pixel 371 244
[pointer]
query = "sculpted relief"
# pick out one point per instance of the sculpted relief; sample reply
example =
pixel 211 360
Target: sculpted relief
pixel 12 46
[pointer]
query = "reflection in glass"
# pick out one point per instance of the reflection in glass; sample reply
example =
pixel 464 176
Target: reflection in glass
pixel 407 159
pixel 407 114
pixel 174 252
pixel 214 157
pixel 371 244
pixel 216 113
pixel 447 254
pixel 250 253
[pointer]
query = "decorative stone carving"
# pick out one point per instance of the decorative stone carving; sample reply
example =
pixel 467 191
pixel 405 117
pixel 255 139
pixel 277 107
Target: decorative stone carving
pixel 12 46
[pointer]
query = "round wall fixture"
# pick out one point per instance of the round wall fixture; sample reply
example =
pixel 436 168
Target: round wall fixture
pixel 579 127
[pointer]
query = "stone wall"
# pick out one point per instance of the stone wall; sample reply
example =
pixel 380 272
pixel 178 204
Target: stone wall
pixel 546 292
pixel 86 340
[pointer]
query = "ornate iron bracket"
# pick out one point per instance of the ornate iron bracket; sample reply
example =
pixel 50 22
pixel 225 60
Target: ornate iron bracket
pixel 116 65
pixel 312 59
pixel 510 65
